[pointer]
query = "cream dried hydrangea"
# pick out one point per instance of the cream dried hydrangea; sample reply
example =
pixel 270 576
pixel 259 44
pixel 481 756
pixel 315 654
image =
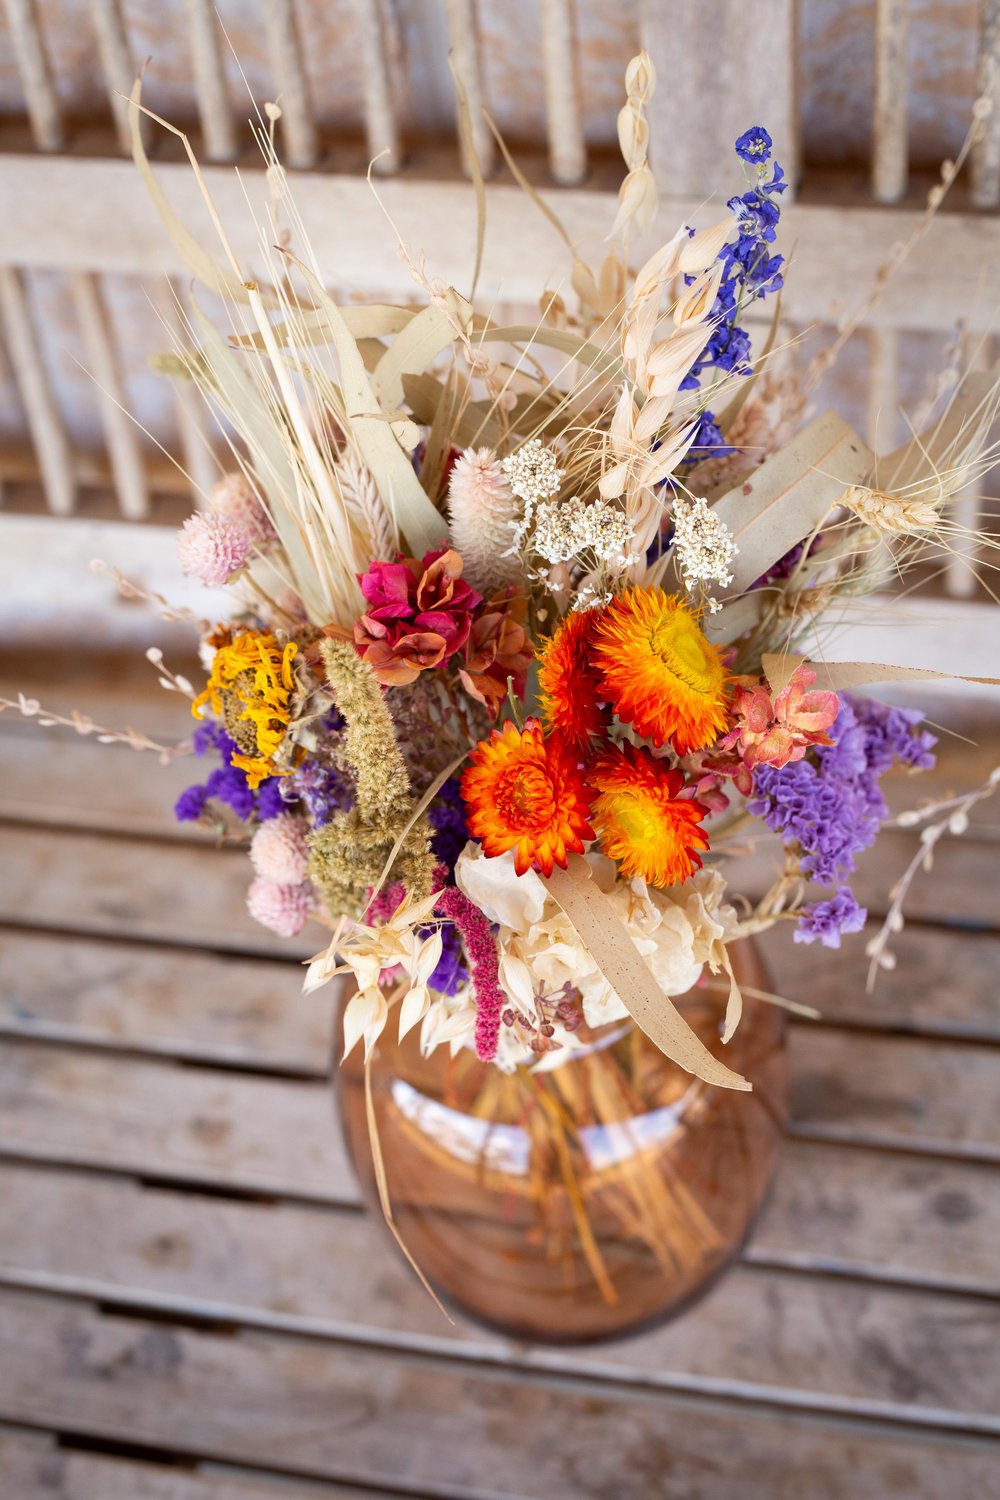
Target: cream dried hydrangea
pixel 678 930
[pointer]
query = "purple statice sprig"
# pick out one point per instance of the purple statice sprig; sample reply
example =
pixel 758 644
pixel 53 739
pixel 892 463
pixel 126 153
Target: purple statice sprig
pixel 829 807
pixel 227 784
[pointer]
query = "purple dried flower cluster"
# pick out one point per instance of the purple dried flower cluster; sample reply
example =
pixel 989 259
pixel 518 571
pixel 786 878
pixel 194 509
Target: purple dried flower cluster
pixel 830 807
pixel 227 783
pixel 322 789
pixel 750 273
pixel 446 815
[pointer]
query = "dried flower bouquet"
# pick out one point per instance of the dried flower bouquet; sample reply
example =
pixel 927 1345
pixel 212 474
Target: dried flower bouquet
pixel 527 623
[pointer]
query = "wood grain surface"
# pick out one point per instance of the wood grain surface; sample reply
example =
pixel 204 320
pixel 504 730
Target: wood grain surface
pixel 193 1305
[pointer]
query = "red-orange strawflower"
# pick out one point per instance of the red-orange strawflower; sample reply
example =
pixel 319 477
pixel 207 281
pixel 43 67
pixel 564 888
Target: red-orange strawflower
pixel 571 697
pixel 641 819
pixel 660 671
pixel 525 792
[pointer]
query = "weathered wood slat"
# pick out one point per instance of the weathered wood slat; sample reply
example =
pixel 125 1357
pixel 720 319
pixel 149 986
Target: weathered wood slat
pixel 564 114
pixel 324 1411
pixel 276 1137
pixel 252 1012
pixel 463 38
pixel 130 888
pixel 884 1216
pixel 985 189
pixel 187 1005
pixel 160 1119
pixel 180 893
pixel 944 983
pixel 194 420
pixel 902 1092
pixel 32 1467
pixel 827 236
pixel 46 772
pixel 116 62
pixel 334 1274
pixel 269 1135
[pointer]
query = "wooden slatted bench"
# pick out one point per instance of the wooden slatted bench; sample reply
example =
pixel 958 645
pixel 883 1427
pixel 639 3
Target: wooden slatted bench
pixel 194 1307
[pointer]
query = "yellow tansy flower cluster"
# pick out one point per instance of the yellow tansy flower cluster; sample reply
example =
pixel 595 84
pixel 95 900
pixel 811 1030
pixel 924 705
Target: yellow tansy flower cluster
pixel 250 689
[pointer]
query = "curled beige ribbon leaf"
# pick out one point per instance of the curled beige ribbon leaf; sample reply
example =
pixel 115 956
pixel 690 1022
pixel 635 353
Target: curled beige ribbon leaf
pixel 608 942
pixel 835 676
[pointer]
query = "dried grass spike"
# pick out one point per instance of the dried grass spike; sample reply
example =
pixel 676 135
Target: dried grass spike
pixel 366 508
pixel 890 514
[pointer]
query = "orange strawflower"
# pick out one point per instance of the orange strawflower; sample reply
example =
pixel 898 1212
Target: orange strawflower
pixel 641 819
pixel 661 673
pixel 570 686
pixel 525 792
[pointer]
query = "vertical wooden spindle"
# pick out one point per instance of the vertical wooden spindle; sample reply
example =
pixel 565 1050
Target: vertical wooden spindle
pixel 284 46
pixel 567 152
pixel 36 75
pixel 707 93
pixel 381 126
pixel 214 107
pixel 463 36
pixel 48 435
pixel 986 152
pixel 890 145
pixel 193 418
pixel 116 61
pixel 120 433
pixel 883 388
pixel 960 578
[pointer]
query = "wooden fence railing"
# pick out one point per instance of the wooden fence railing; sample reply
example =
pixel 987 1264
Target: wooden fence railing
pixel 74 206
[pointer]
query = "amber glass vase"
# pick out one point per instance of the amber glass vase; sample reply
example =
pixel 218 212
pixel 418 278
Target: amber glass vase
pixel 585 1202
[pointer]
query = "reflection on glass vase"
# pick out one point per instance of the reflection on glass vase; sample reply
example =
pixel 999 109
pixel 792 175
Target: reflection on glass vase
pixel 583 1202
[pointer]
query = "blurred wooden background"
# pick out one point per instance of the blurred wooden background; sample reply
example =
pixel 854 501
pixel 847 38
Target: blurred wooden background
pixel 192 1306
pixel 864 100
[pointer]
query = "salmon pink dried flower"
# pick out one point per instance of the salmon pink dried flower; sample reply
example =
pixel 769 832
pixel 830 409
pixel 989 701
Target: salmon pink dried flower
pixel 775 733
pixel 498 649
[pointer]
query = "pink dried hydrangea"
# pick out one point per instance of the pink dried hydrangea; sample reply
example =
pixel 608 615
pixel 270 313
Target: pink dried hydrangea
pixel 279 850
pixel 212 548
pixel 234 497
pixel 284 909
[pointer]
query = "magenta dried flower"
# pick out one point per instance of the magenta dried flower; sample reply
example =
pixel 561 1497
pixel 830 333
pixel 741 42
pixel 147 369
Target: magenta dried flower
pixel 480 945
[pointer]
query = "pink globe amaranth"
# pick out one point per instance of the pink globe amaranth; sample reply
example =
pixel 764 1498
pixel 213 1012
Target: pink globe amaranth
pixel 212 548
pixel 279 850
pixel 234 497
pixel 284 909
